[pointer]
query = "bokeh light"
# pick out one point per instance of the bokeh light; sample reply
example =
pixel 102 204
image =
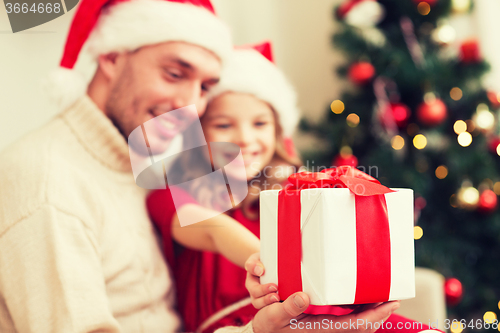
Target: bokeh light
pixel 424 8
pixel 470 126
pixel 352 120
pixel 484 119
pixel 464 139
pixel 456 93
pixel 441 172
pixel 453 201
pixel 460 126
pixel 456 327
pixel 418 232
pixel 490 317
pixel 420 141
pixel 397 142
pixel 337 106
pixel 468 197
pixel 496 189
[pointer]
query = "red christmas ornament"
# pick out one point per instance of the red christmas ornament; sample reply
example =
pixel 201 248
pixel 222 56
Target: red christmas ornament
pixel 432 113
pixel 469 52
pixel 494 99
pixel 493 144
pixel 430 2
pixel 361 72
pixel 453 291
pixel 398 112
pixel 487 202
pixel 350 160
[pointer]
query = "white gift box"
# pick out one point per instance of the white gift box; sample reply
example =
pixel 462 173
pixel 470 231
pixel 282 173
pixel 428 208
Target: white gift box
pixel 328 234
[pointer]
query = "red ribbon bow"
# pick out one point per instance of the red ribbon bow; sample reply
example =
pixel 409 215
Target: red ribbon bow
pixel 358 182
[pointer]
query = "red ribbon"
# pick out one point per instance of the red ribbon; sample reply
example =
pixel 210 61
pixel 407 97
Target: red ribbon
pixel 373 248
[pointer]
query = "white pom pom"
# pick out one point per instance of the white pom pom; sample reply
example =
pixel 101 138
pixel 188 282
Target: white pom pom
pixel 64 87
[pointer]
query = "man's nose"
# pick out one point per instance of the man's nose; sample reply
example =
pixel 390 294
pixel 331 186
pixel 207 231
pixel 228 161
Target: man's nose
pixel 187 95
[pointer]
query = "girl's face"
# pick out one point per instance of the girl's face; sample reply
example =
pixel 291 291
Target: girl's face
pixel 245 121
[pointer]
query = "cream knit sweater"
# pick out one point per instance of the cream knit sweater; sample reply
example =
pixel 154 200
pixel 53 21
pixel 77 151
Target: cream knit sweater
pixel 77 250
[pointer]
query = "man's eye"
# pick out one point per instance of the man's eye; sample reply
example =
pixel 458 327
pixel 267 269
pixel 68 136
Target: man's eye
pixel 173 74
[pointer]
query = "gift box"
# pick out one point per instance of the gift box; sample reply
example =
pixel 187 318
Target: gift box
pixel 340 237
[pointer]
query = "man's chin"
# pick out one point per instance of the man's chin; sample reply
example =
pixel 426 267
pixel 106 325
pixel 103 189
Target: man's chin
pixel 156 147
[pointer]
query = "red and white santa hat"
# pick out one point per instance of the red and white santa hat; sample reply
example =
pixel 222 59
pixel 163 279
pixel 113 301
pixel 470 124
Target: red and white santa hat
pixel 105 26
pixel 251 70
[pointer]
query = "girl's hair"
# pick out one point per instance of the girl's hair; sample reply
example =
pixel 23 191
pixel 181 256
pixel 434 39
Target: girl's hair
pixel 189 167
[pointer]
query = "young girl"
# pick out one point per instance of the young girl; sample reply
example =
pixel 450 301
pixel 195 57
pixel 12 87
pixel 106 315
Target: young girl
pixel 253 107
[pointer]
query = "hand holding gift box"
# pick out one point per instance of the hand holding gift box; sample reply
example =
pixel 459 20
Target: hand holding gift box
pixel 347 245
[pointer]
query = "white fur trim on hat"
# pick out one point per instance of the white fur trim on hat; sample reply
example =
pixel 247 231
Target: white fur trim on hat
pixel 249 72
pixel 132 24
pixel 64 87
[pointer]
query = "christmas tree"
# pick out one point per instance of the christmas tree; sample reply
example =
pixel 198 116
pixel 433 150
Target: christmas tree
pixel 417 116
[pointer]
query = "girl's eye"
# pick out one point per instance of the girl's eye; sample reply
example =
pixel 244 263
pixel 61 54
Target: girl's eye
pixel 261 123
pixel 222 126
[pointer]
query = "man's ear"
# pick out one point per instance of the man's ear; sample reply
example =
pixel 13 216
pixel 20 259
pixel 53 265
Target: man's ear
pixel 110 64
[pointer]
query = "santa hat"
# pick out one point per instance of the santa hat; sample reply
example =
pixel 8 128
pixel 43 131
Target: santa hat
pixel 251 70
pixel 124 25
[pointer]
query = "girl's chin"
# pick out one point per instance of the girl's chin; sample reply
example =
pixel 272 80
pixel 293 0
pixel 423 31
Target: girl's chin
pixel 240 176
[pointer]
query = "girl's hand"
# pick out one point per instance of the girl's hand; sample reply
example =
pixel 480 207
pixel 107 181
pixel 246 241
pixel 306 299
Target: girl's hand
pixel 261 295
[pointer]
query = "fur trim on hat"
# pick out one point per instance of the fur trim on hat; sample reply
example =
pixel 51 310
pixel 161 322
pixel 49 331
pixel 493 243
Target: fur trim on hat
pixel 132 24
pixel 64 87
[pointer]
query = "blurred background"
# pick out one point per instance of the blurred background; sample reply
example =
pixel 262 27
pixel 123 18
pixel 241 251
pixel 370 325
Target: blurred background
pixel 408 86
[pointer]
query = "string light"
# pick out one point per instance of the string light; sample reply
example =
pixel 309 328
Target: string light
pixel 337 106
pixel 496 189
pixel 418 232
pixel 397 142
pixel 441 172
pixel 460 126
pixel 498 149
pixel 420 141
pixel 352 120
pixel 456 94
pixel 484 119
pixel 465 139
pixel 489 317
pixel 424 8
pixel 444 34
pixel 468 197
pixel 456 327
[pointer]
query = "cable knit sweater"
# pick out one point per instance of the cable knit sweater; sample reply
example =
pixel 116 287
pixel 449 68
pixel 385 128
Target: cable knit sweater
pixel 78 252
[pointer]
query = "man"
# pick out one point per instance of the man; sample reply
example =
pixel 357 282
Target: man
pixel 77 250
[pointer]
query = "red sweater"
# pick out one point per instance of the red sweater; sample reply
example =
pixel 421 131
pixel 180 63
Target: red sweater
pixel 206 282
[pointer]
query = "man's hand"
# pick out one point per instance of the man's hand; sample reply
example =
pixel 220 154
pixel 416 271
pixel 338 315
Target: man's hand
pixel 277 317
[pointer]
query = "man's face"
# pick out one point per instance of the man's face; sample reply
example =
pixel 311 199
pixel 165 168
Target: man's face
pixel 157 79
